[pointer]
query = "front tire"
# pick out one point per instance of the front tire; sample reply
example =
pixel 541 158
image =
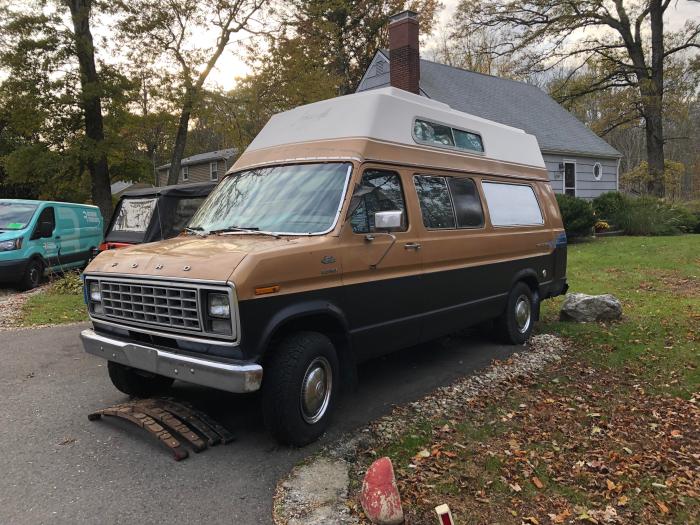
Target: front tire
pixel 32 275
pixel 299 388
pixel 515 324
pixel 136 383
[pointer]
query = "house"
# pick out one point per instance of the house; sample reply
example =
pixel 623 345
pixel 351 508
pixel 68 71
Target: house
pixel 579 162
pixel 200 168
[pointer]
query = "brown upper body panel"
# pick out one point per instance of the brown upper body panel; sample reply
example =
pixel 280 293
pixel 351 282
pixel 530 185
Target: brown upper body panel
pixel 371 150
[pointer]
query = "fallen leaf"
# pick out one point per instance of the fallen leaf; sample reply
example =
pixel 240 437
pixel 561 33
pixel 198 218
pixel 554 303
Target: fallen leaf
pixel 622 501
pixel 531 520
pixel 662 507
pixel 422 454
pixel 561 517
pixel 515 487
pixel 536 481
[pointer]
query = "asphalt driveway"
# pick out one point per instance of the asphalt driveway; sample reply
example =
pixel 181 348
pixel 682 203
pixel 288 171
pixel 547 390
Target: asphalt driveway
pixel 57 467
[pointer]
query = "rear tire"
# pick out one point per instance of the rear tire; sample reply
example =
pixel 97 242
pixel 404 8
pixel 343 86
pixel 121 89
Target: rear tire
pixel 514 326
pixel 136 383
pixel 300 387
pixel 32 275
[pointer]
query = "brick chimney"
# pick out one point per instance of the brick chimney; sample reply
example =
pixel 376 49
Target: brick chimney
pixel 403 51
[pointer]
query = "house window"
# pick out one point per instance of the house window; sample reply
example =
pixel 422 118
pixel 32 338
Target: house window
pixel 570 178
pixel 214 170
pixel 435 134
pixel 597 171
pixel 185 170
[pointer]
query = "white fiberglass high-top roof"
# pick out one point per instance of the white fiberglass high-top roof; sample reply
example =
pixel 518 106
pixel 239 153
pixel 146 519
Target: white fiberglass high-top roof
pixel 388 114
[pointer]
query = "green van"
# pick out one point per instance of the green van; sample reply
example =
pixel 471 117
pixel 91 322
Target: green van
pixel 36 236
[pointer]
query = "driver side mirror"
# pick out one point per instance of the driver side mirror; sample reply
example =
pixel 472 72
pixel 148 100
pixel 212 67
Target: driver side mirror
pixel 388 220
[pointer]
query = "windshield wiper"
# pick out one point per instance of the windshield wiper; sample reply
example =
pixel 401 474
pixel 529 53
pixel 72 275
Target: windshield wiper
pixel 197 230
pixel 237 229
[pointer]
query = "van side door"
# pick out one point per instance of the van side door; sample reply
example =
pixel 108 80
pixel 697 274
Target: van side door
pixel 381 275
pixel 43 236
pixel 458 285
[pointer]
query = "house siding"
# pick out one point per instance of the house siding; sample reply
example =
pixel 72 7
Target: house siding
pixel 587 187
pixel 197 173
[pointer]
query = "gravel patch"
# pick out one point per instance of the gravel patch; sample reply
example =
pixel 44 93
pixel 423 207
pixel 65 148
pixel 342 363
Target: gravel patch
pixel 314 491
pixel 11 303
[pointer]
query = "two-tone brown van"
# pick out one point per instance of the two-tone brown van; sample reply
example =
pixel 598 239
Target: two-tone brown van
pixel 348 229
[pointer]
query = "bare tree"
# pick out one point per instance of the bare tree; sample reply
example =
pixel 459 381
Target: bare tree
pixel 628 36
pixel 174 33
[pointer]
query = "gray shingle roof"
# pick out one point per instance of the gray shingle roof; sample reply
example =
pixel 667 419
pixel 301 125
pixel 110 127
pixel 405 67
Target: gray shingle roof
pixel 513 103
pixel 204 157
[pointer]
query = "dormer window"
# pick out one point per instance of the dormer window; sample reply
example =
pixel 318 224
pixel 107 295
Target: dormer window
pixel 434 134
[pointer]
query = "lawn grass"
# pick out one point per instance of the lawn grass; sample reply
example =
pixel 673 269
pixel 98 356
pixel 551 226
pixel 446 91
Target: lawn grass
pixel 61 303
pixel 608 433
pixel 658 281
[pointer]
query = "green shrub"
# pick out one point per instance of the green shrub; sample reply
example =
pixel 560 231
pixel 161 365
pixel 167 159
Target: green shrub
pixel 68 284
pixel 607 205
pixel 577 215
pixel 650 216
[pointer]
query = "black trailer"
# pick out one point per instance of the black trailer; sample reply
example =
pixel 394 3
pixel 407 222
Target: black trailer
pixel 154 214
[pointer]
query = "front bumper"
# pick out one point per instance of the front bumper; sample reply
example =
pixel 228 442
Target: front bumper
pixel 12 271
pixel 237 378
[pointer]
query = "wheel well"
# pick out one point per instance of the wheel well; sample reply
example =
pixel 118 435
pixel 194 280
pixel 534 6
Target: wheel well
pixel 331 327
pixel 531 282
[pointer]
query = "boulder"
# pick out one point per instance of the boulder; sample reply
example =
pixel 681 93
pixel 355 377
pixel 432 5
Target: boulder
pixel 584 308
pixel 380 497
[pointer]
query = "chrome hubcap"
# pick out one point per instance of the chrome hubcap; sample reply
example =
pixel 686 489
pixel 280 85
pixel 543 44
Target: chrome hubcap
pixel 316 390
pixel 522 313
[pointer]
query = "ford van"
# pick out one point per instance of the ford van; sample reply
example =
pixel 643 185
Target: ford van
pixel 349 228
pixel 41 236
pixel 153 214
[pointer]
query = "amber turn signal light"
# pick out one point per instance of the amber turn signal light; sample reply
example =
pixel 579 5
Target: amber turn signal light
pixel 267 289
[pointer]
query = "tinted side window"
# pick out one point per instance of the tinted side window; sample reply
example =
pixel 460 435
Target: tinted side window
pixel 466 202
pixel 379 191
pixel 47 215
pixel 435 202
pixel 512 204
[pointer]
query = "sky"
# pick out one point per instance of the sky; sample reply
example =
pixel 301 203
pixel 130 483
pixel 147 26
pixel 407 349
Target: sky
pixel 232 65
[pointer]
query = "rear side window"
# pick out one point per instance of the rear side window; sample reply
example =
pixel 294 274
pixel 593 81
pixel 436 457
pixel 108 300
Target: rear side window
pixel 379 191
pixel 512 204
pixel 466 202
pixel 449 202
pixel 435 202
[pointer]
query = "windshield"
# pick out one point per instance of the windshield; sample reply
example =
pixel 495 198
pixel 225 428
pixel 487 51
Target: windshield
pixel 294 199
pixel 134 215
pixel 15 215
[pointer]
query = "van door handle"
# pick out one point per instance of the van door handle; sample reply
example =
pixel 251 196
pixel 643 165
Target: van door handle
pixel 58 237
pixel 412 246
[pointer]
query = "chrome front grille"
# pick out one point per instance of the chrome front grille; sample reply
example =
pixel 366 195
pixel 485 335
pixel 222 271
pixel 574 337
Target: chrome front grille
pixel 166 306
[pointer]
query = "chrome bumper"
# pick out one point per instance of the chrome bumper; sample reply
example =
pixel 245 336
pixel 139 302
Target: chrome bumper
pixel 214 374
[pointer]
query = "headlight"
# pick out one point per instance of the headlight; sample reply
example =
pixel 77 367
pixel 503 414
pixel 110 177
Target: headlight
pixel 13 244
pixel 219 306
pixel 95 293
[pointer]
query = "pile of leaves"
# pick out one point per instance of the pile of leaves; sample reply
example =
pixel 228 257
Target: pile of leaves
pixel 572 445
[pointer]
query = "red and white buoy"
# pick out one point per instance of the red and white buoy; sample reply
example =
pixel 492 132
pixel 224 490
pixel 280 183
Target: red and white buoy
pixel 444 515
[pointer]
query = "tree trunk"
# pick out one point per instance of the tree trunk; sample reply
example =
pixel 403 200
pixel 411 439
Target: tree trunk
pixel 179 146
pixel 652 99
pixel 90 88
pixel 655 148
